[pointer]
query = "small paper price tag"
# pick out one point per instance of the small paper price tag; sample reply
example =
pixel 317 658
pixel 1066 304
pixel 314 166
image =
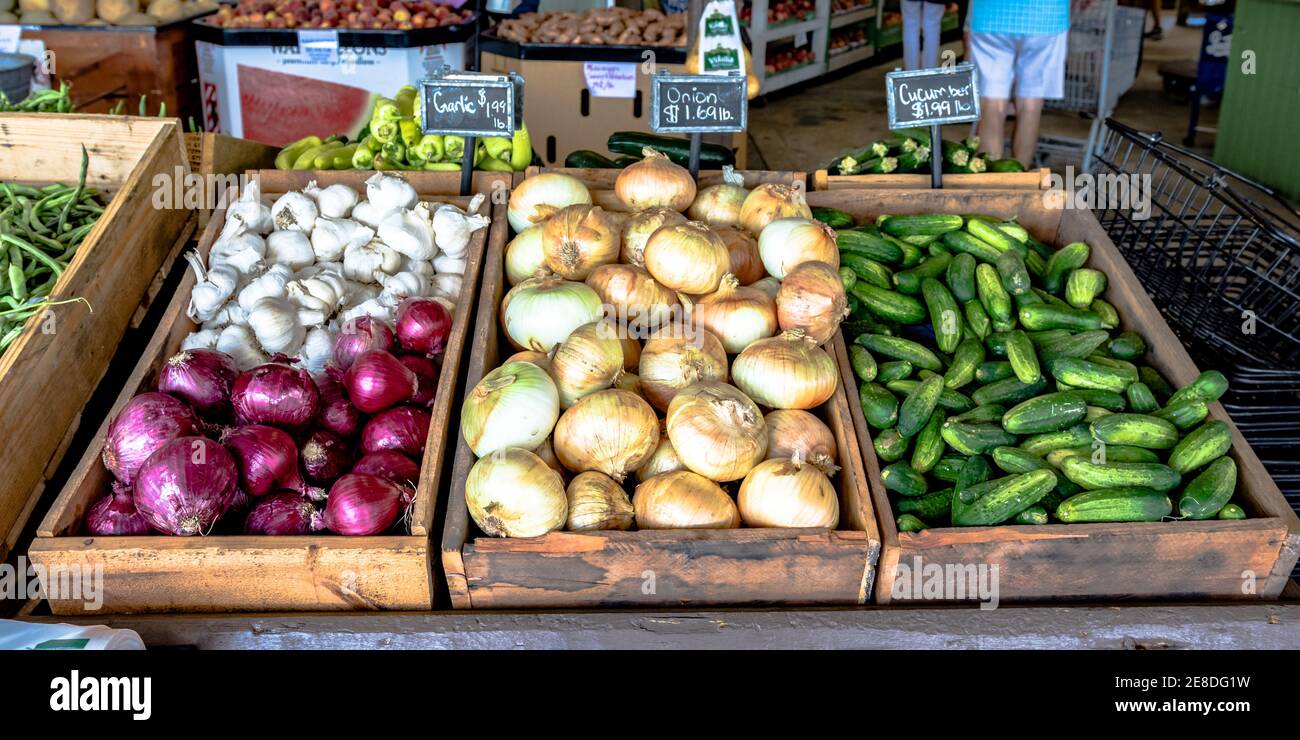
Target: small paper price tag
pixel 610 79
pixel 9 36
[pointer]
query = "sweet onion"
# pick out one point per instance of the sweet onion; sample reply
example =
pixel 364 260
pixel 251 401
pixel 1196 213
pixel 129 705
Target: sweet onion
pixel 611 431
pixel 786 243
pixel 683 500
pixel 771 201
pixel 687 257
pixel 788 371
pixel 720 204
pixel 742 250
pixel 578 239
pixel 655 182
pixel 716 430
pixel 513 493
pixel 597 502
pixel 794 432
pixel 634 298
pixel 737 315
pixel 785 493
pixel 185 487
pixel 539 313
pixel 589 360
pixel 637 230
pixel 144 425
pixel 537 198
pixel 515 405
pixel 671 362
pixel 812 298
pixel 524 256
pixel 664 459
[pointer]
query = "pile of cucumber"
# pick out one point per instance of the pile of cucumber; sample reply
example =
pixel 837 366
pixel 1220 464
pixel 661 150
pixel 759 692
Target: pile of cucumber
pixel 1000 389
pixel 909 151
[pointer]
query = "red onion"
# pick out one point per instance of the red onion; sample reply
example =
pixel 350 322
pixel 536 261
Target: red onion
pixel 337 414
pixel 239 502
pixel 141 428
pixel 426 378
pixel 185 487
pixel 361 335
pixel 362 505
pixel 201 376
pixel 115 514
pixel 390 465
pixel 267 458
pixel 377 381
pixel 282 514
pixel 404 429
pixel 276 394
pixel 423 326
pixel 325 457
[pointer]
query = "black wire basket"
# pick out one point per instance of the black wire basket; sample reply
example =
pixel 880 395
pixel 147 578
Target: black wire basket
pixel 1219 253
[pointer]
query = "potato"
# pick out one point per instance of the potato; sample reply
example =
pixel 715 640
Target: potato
pixel 34 6
pixel 114 11
pixel 7 17
pixel 138 19
pixel 74 12
pixel 166 11
pixel 37 18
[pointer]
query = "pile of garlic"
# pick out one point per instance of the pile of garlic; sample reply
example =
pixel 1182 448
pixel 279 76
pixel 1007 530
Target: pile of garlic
pixel 284 278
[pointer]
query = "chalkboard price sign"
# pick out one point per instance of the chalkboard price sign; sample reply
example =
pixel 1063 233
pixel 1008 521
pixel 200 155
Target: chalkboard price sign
pixel 698 103
pixel 469 104
pixel 929 97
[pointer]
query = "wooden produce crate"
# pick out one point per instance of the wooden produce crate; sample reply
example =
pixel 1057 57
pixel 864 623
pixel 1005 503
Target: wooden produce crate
pixel 220 154
pixel 654 568
pixel 46 377
pixel 222 573
pixel 1211 559
pixel 1039 179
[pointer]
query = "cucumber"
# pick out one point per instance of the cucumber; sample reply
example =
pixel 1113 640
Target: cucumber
pixel 1050 299
pixel 1005 165
pixel 832 217
pixel 931 224
pixel 1113 475
pixel 889 445
pixel 1119 504
pixel 1048 316
pixel 909 523
pixel 1106 312
pixel 1048 337
pixel 909 281
pixel 879 406
pixel 1210 491
pixel 856 326
pixel 949 400
pixel 996 301
pixel 912 254
pixel 712 156
pixel 864 365
pixel 990 412
pixel 974 472
pixel 1129 369
pixel 920 403
pixel 1095 413
pixel 1033 515
pixel 1064 261
pixel 1087 374
pixel 948 468
pixel 1008 390
pixel 1107 400
pixel 1141 399
pixel 975 438
pixel 1128 345
pixel 1137 430
pixel 847 279
pixel 977 319
pixel 901 349
pixel 965 362
pixel 1185 414
pixel 945 318
pixel 1035 264
pixel 997 500
pixel 1209 386
pixel 929 444
pixel 1016 460
pixel 869 243
pixel 1042 444
pixel 993 371
pixel 894 370
pixel 1231 511
pixel 1050 412
pixel 960 241
pixel 1027 299
pixel 866 269
pixel 1020 353
pixel 1156 382
pixel 1104 453
pixel 996 343
pixel 1070 345
pixel 889 305
pixel 990 234
pixel 1013 273
pixel 960 277
pixel 1083 286
pixel 901 479
pixel 1201 445
pixel 932 506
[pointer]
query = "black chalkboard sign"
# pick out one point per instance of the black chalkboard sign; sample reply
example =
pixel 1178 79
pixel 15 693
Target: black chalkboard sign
pixel 929 97
pixel 469 104
pixel 698 103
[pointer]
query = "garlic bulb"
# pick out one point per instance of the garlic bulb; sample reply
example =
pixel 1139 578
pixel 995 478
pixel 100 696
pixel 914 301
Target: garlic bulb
pixel 293 210
pixel 337 200
pixel 365 263
pixel 317 349
pixel 331 237
pixel 291 248
pixel 390 192
pixel 409 233
pixel 419 267
pixel 237 246
pixel 597 502
pixel 250 209
pixel 203 339
pixel 405 285
pixel 453 228
pixel 444 263
pixel 324 292
pixel 369 214
pixel 446 286
pixel 269 284
pixel 274 321
pixel 231 313
pixel 240 344
pixel 214 288
pixel 375 308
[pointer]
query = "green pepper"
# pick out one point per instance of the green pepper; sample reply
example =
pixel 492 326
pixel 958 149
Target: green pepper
pixel 410 132
pixel 429 148
pixel 453 148
pixel 363 158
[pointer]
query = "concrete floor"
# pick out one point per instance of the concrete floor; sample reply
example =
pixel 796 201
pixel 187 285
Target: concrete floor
pixel 807 128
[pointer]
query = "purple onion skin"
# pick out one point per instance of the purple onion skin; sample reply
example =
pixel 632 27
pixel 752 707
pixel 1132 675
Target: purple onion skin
pixel 390 465
pixel 404 429
pixel 267 458
pixel 337 414
pixel 361 335
pixel 277 395
pixel 426 378
pixel 324 457
pixel 379 381
pixel 116 515
pixel 283 514
pixel 147 423
pixel 423 325
pixel 185 487
pixel 203 378
pixel 361 505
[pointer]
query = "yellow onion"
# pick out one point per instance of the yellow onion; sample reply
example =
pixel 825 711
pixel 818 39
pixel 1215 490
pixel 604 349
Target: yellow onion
pixel 524 256
pixel 787 243
pixel 771 201
pixel 687 257
pixel 786 493
pixel 787 371
pixel 589 360
pixel 597 502
pixel 742 248
pixel 630 382
pixel 797 433
pixel 547 453
pixel 539 313
pixel 538 198
pixel 673 360
pixel 512 493
pixel 578 239
pixel 683 500
pixel 633 297
pixel 719 205
pixel 655 182
pixel 738 316
pixel 540 359
pixel 611 431
pixel 812 298
pixel 664 459
pixel 631 352
pixel 515 405
pixel 769 285
pixel 637 230
pixel 716 430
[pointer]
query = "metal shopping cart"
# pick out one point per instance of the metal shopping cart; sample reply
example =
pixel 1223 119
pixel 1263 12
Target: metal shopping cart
pixel 1105 46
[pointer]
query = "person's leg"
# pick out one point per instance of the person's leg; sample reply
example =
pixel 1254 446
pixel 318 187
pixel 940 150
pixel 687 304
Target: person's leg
pixel 1156 32
pixel 1040 74
pixel 994 58
pixel 911 33
pixel 931 22
pixel 993 120
pixel 1029 115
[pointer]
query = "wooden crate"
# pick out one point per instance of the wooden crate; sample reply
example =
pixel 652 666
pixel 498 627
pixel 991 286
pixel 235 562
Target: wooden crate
pixel 1186 560
pixel 220 154
pixel 1040 179
pixel 47 377
pixel 255 573
pixel 654 568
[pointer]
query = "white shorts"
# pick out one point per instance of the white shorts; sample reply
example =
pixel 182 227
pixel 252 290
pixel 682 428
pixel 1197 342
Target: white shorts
pixel 1036 62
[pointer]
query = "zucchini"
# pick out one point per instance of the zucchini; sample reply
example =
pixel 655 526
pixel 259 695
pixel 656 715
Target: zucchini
pixel 1201 446
pixel 890 445
pixel 1042 444
pixel 1141 399
pixel 1062 262
pixel 1008 390
pixel 914 160
pixel 1013 273
pixel 866 270
pixel 977 319
pixel 1087 374
pixel 1083 286
pixel 832 217
pixel 948 468
pixel 712 156
pixel 975 438
pixel 889 305
pixel 894 370
pixel 1119 504
pixel 1137 430
pixel 879 406
pixel 954 153
pixel 945 318
pixel 965 362
pixel 1033 515
pixel 909 281
pixel 864 365
pixel 920 403
pixel 932 506
pixel 1048 316
pixel 868 242
pixel 1050 412
pixel 901 479
pixel 901 349
pixel 931 224
pixel 929 444
pixel 961 277
pixel 960 241
pixel 1184 414
pixel 1128 345
pixel 909 523
pixel 997 500
pixel 1092 476
pixel 589 160
pixel 996 301
pixel 992 371
pixel 989 412
pixel 1210 491
pixel 1020 353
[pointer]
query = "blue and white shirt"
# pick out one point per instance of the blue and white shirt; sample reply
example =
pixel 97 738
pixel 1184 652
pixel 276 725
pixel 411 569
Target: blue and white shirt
pixel 1021 17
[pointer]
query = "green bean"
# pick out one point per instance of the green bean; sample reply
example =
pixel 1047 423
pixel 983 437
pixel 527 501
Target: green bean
pixel 17 282
pixel 81 184
pixel 34 252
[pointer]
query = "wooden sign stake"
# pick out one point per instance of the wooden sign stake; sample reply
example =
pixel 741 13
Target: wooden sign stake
pixel 695 154
pixel 936 159
pixel 467 165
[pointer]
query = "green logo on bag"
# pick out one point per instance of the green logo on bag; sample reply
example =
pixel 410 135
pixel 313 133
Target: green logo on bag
pixel 721 60
pixel 718 25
